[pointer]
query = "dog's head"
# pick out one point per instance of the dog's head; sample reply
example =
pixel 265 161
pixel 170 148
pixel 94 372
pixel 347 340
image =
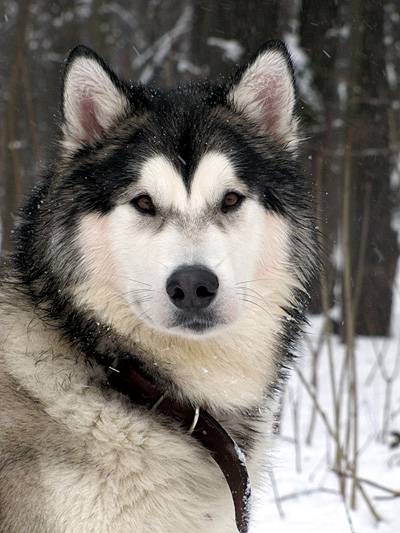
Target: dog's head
pixel 184 209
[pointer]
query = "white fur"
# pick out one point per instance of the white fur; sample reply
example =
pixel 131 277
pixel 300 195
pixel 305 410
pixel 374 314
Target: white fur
pixel 104 466
pixel 121 469
pixel 127 261
pixel 144 267
pixel 265 93
pixel 214 176
pixel 83 460
pixel 111 468
pixel 92 102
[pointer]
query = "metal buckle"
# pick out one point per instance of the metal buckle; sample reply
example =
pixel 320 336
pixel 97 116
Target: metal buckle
pixel 194 421
pixel 160 399
pixel 196 413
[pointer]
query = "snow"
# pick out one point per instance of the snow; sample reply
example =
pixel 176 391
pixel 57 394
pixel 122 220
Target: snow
pixel 232 50
pixel 395 319
pixel 155 55
pixel 395 176
pixel 304 75
pixel 309 498
pixel 241 456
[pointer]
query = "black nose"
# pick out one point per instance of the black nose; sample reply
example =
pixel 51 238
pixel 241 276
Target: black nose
pixel 191 288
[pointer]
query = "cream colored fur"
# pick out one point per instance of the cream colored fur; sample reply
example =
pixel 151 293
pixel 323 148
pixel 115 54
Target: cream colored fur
pixel 118 469
pixel 230 367
pixel 75 458
pixel 103 467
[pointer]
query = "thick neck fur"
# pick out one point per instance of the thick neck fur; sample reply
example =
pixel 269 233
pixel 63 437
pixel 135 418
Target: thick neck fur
pixel 224 373
pixel 231 370
pixel 58 365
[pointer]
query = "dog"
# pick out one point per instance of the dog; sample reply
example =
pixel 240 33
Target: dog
pixel 167 250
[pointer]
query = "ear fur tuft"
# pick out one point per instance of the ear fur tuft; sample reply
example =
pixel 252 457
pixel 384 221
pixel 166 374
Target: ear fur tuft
pixel 264 91
pixel 93 98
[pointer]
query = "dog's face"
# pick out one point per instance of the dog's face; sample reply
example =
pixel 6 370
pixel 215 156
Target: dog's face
pixel 182 253
pixel 179 201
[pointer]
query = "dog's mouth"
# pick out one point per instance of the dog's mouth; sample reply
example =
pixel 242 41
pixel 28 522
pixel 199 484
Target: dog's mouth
pixel 196 323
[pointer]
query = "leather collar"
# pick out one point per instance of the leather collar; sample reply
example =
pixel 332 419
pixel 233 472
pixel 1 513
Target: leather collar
pixel 132 381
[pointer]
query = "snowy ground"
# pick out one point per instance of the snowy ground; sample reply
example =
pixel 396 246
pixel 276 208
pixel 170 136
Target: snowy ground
pixel 309 498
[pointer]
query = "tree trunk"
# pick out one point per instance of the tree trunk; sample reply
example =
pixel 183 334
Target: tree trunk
pixel 374 249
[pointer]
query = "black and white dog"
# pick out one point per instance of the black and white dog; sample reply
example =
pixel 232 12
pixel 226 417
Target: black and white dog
pixel 172 239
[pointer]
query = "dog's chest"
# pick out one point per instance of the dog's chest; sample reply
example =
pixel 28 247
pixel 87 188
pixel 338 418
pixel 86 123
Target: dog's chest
pixel 126 471
pixel 104 466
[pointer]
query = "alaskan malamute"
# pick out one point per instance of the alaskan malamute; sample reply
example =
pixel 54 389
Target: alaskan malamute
pixel 159 279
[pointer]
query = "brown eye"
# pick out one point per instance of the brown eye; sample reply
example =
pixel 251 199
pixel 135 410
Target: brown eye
pixel 144 204
pixel 231 201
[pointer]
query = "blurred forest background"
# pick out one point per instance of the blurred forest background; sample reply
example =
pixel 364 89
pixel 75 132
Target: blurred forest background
pixel 347 57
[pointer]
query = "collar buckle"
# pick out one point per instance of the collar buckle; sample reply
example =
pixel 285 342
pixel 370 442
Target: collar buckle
pixel 196 416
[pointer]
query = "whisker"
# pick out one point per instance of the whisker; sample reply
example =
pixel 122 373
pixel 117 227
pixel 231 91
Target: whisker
pixel 253 291
pixel 251 281
pixel 162 264
pixel 142 300
pixel 257 305
pixel 222 260
pixel 141 290
pixel 132 292
pixel 137 281
pixel 139 318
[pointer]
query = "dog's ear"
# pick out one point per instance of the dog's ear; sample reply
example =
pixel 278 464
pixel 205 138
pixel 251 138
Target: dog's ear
pixel 93 98
pixel 264 91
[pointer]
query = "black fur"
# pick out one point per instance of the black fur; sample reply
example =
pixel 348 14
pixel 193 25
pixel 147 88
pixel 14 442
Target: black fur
pixel 182 123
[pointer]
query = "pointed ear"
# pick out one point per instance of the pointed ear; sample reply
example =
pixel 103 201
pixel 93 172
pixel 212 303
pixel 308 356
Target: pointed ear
pixel 264 91
pixel 93 99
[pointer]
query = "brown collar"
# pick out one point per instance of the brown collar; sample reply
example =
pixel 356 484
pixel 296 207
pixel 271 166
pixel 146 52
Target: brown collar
pixel 131 381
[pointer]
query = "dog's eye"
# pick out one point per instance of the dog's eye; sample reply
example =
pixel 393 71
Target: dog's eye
pixel 144 204
pixel 231 201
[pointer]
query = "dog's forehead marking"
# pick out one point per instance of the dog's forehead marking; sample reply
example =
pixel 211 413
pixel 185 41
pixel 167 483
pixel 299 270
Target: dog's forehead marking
pixel 161 179
pixel 213 176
